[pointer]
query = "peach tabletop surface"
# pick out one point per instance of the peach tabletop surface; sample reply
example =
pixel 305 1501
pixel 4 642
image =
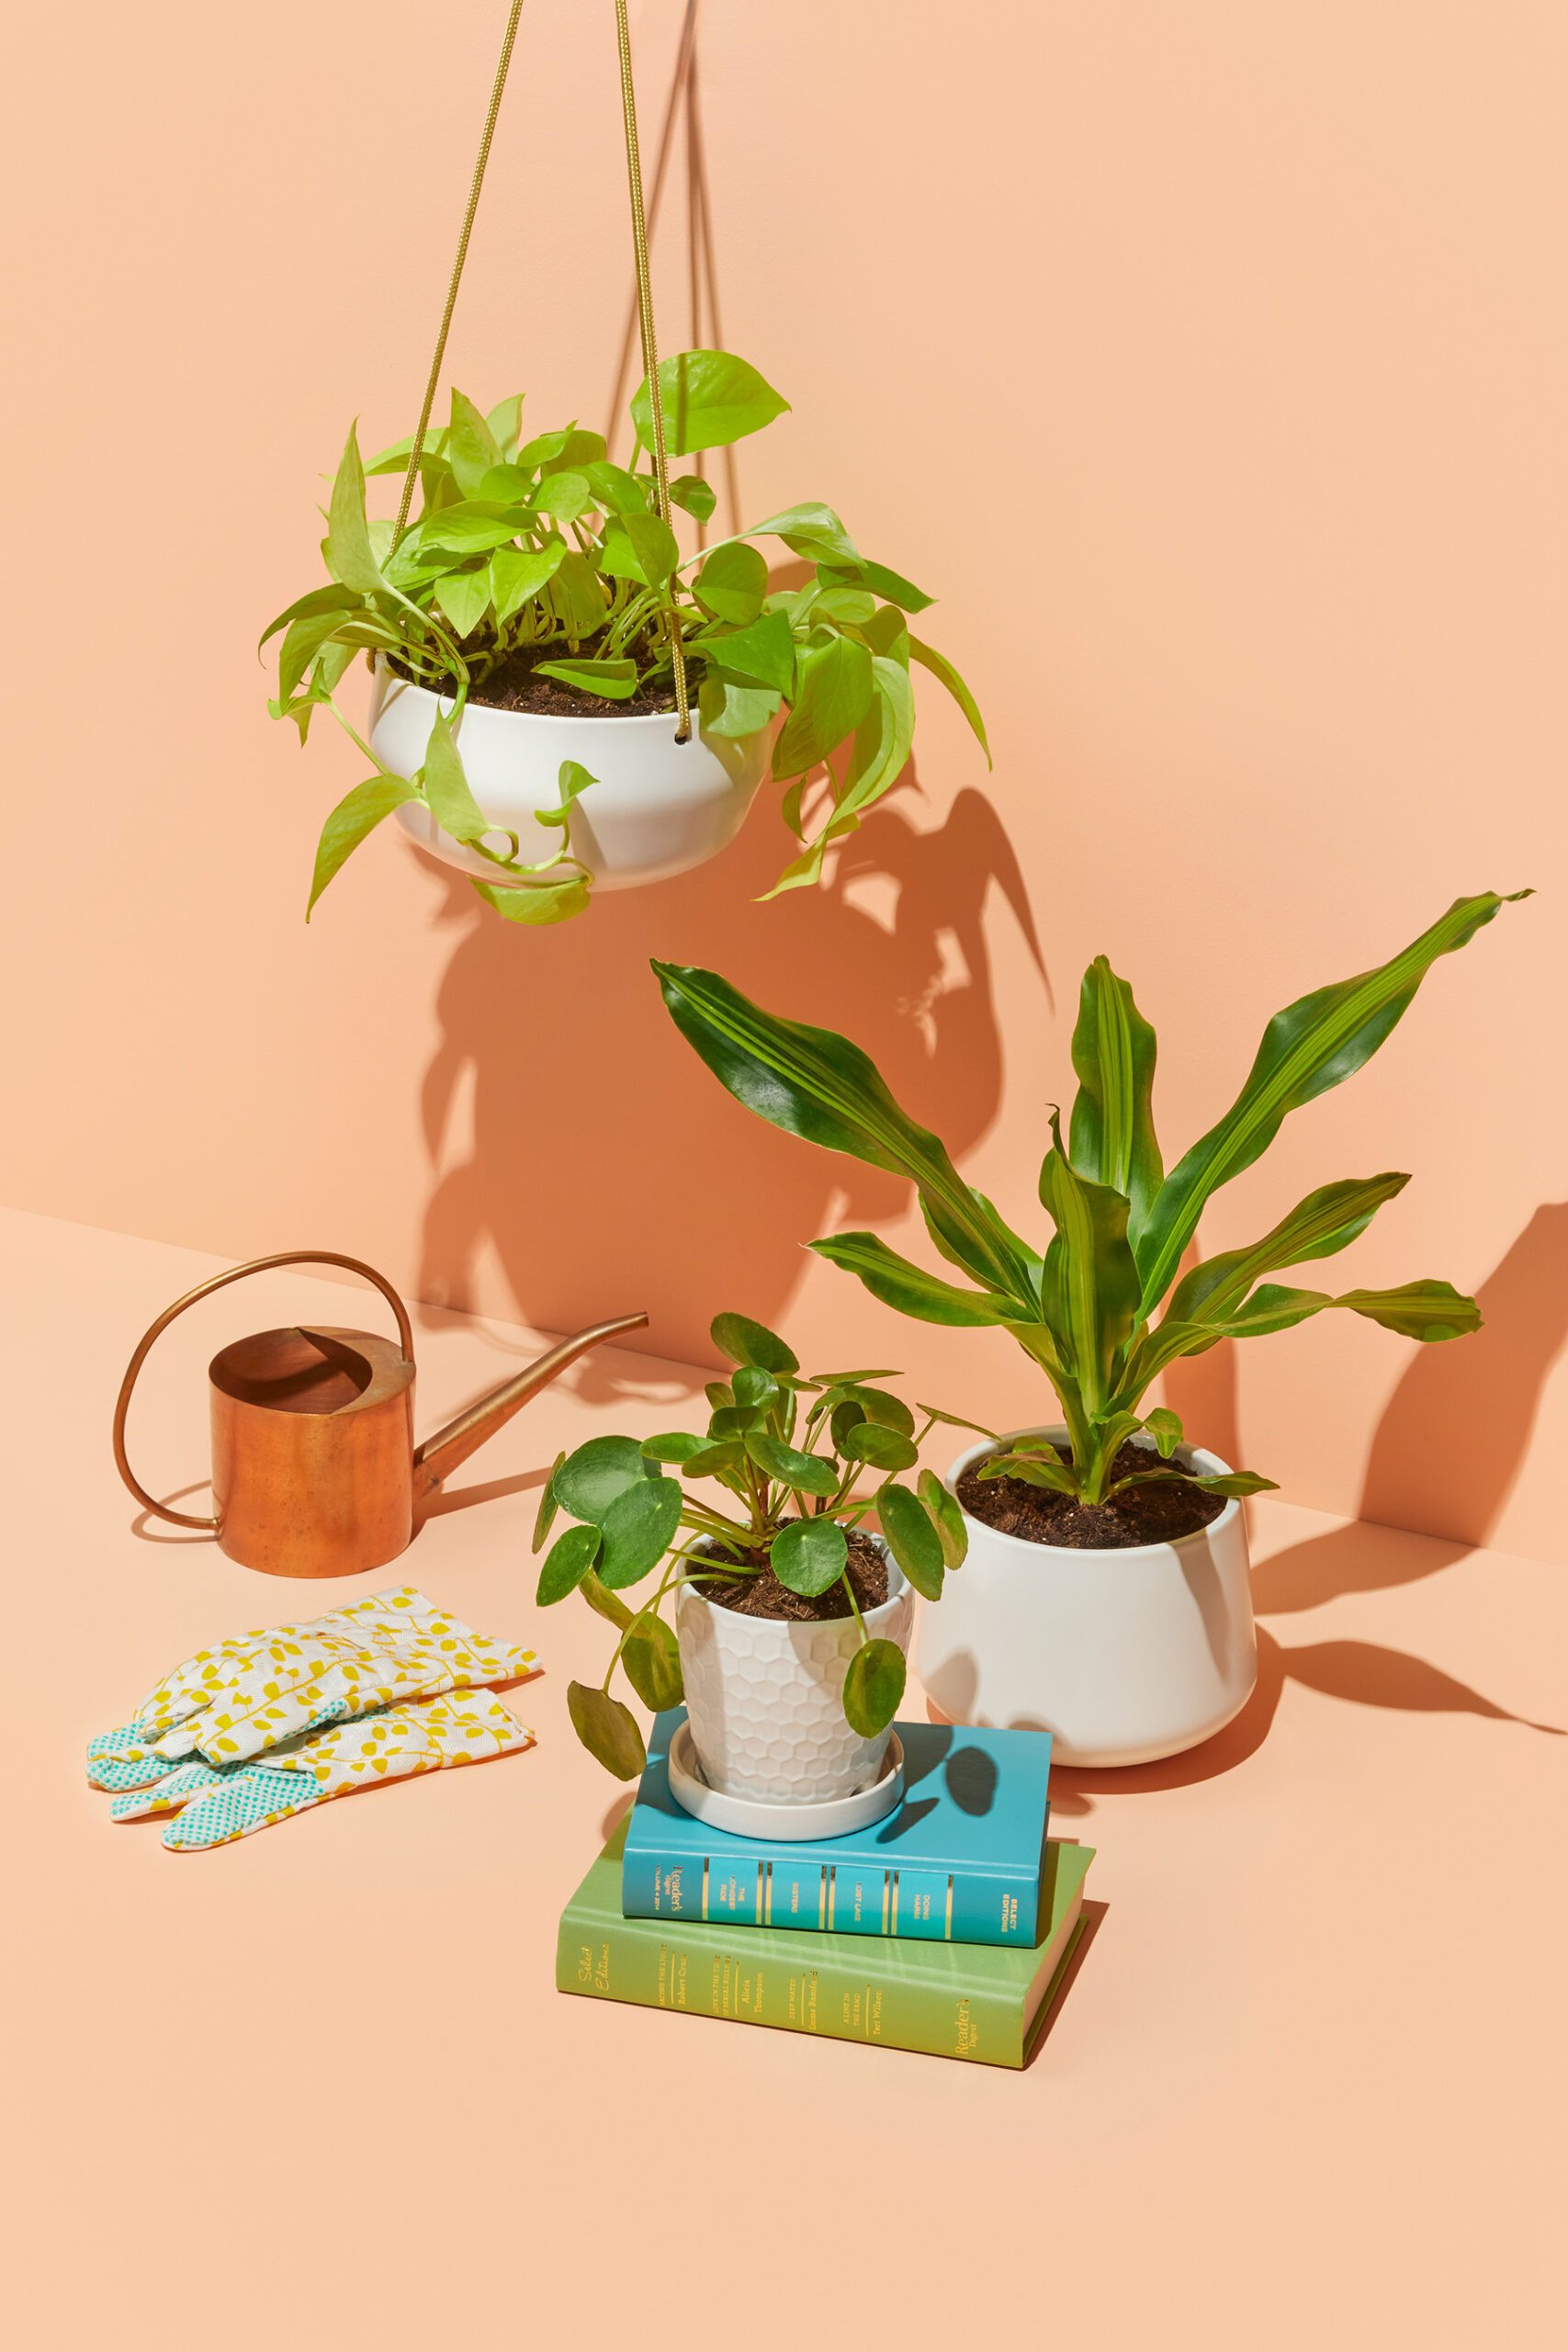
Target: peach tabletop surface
pixel 1306 2083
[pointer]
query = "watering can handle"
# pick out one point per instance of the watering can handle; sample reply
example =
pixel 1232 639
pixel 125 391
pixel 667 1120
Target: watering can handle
pixel 218 1282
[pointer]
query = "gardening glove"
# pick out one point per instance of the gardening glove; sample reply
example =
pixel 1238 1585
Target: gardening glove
pixel 212 1804
pixel 254 1692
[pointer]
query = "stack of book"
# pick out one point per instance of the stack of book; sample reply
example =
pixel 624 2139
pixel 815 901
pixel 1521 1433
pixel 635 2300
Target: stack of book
pixel 976 1912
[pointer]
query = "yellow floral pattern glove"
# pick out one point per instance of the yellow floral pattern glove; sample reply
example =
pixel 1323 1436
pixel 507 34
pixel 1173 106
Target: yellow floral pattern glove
pixel 252 1693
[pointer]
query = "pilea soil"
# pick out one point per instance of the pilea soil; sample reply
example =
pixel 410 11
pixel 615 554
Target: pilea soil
pixel 763 1596
pixel 514 683
pixel 1155 1513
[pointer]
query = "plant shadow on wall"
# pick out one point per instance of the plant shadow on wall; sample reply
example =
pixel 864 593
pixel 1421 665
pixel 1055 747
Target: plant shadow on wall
pixel 1451 1444
pixel 598 1150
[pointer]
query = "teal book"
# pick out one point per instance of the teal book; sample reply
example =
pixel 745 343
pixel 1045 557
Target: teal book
pixel 958 1860
pixel 985 2003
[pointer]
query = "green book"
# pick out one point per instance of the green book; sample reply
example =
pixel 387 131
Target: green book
pixel 983 2002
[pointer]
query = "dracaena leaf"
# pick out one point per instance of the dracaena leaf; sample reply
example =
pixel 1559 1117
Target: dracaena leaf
pixel 1325 1223
pixel 907 1287
pixel 1420 1310
pixel 1312 1046
pixel 1091 1279
pixel 1111 1132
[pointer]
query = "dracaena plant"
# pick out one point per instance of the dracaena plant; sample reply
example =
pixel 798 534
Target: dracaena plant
pixel 788 1452
pixel 1106 1306
pixel 543 547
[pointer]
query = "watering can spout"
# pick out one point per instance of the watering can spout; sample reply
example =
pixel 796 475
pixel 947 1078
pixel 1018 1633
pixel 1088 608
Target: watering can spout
pixel 434 1461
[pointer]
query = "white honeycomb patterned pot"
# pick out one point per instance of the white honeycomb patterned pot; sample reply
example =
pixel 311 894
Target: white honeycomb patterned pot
pixel 765 1696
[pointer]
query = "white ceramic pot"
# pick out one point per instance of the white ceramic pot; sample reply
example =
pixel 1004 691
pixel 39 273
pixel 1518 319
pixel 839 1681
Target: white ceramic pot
pixel 656 807
pixel 1123 1656
pixel 765 1696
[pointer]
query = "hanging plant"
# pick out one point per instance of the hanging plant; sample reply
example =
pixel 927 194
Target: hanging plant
pixel 523 633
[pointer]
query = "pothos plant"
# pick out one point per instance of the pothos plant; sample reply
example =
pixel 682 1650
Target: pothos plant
pixel 786 1451
pixel 544 547
pixel 1107 1307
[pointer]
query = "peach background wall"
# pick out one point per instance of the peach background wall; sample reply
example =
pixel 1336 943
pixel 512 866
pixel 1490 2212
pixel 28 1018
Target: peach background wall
pixel 1207 360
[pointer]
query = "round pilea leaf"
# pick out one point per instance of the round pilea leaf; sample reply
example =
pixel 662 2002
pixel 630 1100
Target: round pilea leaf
pixel 885 1449
pixel 567 1563
pixel 912 1540
pixel 881 1404
pixel 809 1473
pixel 873 1686
pixel 809 1555
pixel 588 1481
pixel 549 1503
pixel 652 1660
pixel 946 1517
pixel 743 1341
pixel 607 1729
pixel 639 1527
pixel 753 1387
pixel 673 1445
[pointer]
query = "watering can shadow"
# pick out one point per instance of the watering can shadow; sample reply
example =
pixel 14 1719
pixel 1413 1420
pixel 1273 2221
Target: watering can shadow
pixel 315 1472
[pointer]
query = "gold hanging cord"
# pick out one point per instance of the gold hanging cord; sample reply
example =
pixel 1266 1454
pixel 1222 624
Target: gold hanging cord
pixel 645 317
pixel 650 352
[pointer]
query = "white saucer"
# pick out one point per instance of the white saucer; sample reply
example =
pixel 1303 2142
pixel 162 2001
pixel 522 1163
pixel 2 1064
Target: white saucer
pixel 788 1824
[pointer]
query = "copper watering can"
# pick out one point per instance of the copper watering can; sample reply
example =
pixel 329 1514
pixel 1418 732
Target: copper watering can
pixel 315 1472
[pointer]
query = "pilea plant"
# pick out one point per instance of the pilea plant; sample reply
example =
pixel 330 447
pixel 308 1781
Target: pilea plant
pixel 787 1450
pixel 543 553
pixel 1085 1312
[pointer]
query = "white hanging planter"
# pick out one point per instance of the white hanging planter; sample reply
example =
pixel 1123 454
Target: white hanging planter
pixel 1124 1656
pixel 656 807
pixel 765 1696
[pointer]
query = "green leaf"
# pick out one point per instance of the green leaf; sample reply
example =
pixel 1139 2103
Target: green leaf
pixel 564 497
pixel 639 548
pixel 912 1538
pixel 833 696
pixel 805 1473
pixel 816 1084
pixel 710 398
pixel 591 1478
pixel 1312 1046
pixel 744 1341
pixel 652 1660
pixel 608 1605
pixel 728 708
pixel 517 574
pixel 639 1528
pixel 1044 1468
pixel 1090 1294
pixel 577 594
pixel 539 903
pixel 467 529
pixel 357 814
pixel 899 591
pixel 347 545
pixel 873 1686
pixel 471 448
pixel 446 787
pixel 807 1555
pixel 764 651
pixel 1165 1428
pixel 1420 1310
pixel 695 495
pixel 753 1386
pixel 616 681
pixel 618 491
pixel 302 642
pixel 549 1503
pixel 732 581
pixel 505 422
pixel 946 1517
pixel 464 597
pixel 811 530
pixel 334 598
pixel 573 782
pixel 671 1446
pixel 607 1729
pixel 1319 1227
pixel 883 1449
pixel 715 1461
pixel 1112 1134
pixel 907 1287
pixel 941 667
pixel 570 1558
pixel 877 1405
